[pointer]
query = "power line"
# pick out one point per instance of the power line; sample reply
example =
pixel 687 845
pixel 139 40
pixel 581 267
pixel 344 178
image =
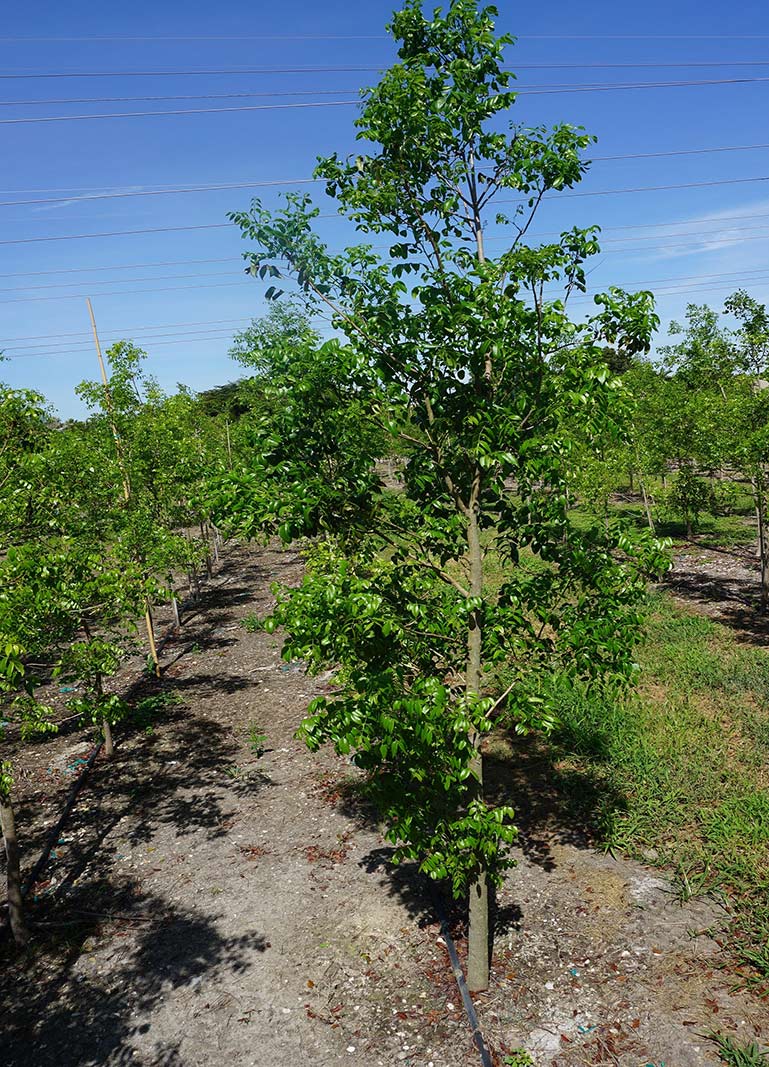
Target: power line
pixel 120 233
pixel 125 330
pixel 26 120
pixel 705 234
pixel 229 284
pixel 165 192
pixel 120 292
pixel 217 37
pixel 164 98
pixel 501 200
pixel 187 96
pixel 148 339
pixel 118 266
pixel 735 277
pixel 179 111
pixel 32 75
pixel 179 190
pixel 229 259
pixel 120 281
pixel 386 37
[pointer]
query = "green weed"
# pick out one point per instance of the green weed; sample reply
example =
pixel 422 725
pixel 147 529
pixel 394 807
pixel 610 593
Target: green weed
pixel 146 711
pixel 739 1055
pixel 256 739
pixel 678 770
pixel 519 1057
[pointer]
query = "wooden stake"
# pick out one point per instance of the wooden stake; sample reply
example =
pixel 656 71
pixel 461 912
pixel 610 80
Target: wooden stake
pixel 123 469
pixel 151 636
pixel 109 404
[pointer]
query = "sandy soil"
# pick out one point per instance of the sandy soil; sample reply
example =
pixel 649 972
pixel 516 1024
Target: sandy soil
pixel 206 906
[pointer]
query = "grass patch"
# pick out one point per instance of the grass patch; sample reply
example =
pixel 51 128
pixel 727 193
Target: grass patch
pixel 687 753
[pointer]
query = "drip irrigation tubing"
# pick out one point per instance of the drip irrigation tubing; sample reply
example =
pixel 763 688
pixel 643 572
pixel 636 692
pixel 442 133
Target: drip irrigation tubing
pixel 459 975
pixel 53 836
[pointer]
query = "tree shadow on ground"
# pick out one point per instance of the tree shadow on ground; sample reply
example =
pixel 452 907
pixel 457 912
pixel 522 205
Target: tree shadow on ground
pixel 555 804
pixel 67 1013
pixel 731 599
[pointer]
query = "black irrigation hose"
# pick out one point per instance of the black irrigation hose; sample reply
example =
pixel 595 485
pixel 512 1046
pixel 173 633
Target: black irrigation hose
pixel 459 974
pixel 53 836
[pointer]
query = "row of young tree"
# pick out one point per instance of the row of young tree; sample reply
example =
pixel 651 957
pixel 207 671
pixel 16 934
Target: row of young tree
pixel 700 424
pixel 98 524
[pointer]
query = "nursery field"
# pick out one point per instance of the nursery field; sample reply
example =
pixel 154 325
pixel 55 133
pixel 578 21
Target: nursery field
pixel 406 698
pixel 218 889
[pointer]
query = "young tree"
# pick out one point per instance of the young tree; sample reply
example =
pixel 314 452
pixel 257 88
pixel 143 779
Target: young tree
pixel 486 382
pixel 721 394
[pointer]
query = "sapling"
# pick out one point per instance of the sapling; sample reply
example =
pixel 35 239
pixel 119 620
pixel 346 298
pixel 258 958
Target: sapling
pixel 467 364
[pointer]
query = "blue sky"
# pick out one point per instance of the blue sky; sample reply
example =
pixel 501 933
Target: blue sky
pixel 181 294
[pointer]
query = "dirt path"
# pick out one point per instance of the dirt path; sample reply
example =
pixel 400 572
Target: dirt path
pixel 207 906
pixel 724 584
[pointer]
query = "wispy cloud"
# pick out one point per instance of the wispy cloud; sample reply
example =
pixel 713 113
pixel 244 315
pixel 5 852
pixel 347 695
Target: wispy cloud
pixel 92 195
pixel 716 231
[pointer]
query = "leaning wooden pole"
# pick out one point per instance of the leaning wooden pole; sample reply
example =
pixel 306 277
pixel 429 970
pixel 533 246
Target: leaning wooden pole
pixel 124 472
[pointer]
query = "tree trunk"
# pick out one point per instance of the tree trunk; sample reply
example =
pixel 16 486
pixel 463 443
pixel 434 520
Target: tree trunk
pixel 763 548
pixel 106 729
pixel 175 609
pixel 13 876
pixel 478 931
pixel 647 507
pixel 109 746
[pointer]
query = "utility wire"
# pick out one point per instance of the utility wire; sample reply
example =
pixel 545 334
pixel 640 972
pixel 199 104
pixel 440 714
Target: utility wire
pixel 626 247
pixel 187 96
pixel 10 344
pixel 216 187
pixel 501 200
pixel 705 234
pixel 125 330
pixel 129 193
pixel 179 111
pixel 26 120
pixel 386 37
pixel 46 352
pixel 116 266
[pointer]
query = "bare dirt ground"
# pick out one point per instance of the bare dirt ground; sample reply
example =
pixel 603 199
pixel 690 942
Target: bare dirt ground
pixel 724 584
pixel 206 906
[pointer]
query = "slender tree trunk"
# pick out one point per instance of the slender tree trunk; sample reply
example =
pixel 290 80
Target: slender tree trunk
pixel 478 932
pixel 175 609
pixel 763 548
pixel 13 875
pixel 647 506
pixel 109 745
